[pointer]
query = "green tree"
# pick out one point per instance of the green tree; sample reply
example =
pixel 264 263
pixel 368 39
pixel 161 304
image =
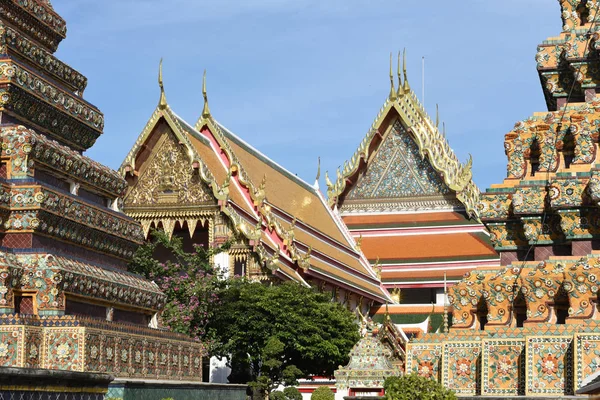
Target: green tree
pixel 322 393
pixel 292 393
pixel 189 280
pixel 280 332
pixel 415 387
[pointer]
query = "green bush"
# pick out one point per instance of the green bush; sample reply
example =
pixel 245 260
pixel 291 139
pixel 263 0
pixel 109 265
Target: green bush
pixel 292 393
pixel 322 393
pixel 277 396
pixel 415 387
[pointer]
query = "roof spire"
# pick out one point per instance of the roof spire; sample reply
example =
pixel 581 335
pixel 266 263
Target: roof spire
pixel 406 85
pixel 444 128
pixel 205 110
pixel 162 103
pixel 400 90
pixel 392 90
pixel 437 116
pixel 316 185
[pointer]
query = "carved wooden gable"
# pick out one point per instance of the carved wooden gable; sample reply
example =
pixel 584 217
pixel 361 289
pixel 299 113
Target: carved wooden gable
pixel 398 171
pixel 167 178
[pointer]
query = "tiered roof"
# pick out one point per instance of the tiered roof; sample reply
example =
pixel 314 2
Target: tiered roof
pixel 408 199
pixel 287 221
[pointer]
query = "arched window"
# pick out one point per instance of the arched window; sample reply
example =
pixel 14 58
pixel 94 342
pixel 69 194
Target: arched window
pixel 568 148
pixel 534 157
pixel 520 310
pixel 561 306
pixel 482 313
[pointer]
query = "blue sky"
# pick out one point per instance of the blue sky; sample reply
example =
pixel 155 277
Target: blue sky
pixel 299 79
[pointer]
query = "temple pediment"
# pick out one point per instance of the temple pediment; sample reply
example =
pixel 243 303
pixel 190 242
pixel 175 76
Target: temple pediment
pixel 397 172
pixel 167 177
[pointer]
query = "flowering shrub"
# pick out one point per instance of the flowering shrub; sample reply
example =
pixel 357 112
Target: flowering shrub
pixel 189 280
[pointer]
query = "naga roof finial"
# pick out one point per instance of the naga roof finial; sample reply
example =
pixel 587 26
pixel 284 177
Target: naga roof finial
pixel 392 90
pixel 205 110
pixel 400 90
pixel 162 103
pixel 406 85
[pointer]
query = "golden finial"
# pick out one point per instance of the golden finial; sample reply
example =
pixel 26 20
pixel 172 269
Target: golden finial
pixel 318 170
pixel 406 85
pixel 392 90
pixel 162 103
pixel 327 180
pixel 437 116
pixel 205 110
pixel 444 128
pixel 400 90
pixel 359 241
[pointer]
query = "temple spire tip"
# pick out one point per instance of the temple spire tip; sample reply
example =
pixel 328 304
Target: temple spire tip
pixel 162 103
pixel 400 90
pixel 205 110
pixel 406 85
pixel 392 89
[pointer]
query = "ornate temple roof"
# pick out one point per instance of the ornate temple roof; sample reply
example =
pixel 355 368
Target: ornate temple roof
pixel 422 170
pixel 292 229
pixel 403 190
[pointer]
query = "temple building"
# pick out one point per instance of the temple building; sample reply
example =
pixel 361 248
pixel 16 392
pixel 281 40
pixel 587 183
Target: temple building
pixel 67 301
pixel 531 327
pixel 412 206
pixel 207 185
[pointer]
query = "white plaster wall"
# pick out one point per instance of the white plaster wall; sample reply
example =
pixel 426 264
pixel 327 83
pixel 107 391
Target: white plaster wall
pixel 222 262
pixel 339 394
pixel 219 371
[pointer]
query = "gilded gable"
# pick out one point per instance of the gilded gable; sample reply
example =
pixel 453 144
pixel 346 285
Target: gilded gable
pixel 397 171
pixel 167 177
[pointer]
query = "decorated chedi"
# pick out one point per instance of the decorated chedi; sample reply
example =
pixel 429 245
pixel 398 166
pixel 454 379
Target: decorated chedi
pixel 379 354
pixel 66 297
pixel 402 190
pixel 533 324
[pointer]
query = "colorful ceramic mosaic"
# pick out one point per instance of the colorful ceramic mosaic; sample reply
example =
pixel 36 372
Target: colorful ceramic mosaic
pixel 587 356
pixel 503 360
pixel 460 364
pixel 424 360
pixel 368 367
pixel 549 367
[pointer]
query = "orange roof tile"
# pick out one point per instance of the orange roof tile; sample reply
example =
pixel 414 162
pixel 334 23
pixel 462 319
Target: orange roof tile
pixel 346 277
pixel 286 191
pixel 352 261
pixel 424 273
pixel 411 247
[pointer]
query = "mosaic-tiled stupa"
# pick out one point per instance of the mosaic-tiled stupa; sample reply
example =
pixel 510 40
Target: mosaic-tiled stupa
pixel 377 356
pixel 67 301
pixel 532 326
